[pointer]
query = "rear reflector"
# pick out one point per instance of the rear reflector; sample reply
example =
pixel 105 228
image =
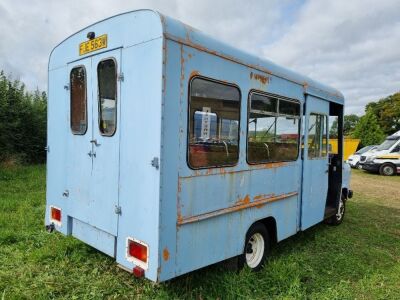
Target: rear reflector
pixel 137 250
pixel 55 214
pixel 138 272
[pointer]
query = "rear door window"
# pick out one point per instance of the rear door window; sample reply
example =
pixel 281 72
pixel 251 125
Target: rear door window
pixel 107 80
pixel 78 101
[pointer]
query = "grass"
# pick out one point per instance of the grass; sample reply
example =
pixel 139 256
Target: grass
pixel 359 259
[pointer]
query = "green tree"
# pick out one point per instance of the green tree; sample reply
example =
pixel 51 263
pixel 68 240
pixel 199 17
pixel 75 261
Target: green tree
pixel 349 123
pixel 368 130
pixel 387 112
pixel 22 122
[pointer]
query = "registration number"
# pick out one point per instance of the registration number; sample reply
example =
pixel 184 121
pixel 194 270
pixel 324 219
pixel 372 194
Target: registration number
pixel 93 45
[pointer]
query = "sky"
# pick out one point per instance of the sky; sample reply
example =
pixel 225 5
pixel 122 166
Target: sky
pixel 352 45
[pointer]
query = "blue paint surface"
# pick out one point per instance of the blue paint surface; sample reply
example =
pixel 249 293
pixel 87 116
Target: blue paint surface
pixel 157 57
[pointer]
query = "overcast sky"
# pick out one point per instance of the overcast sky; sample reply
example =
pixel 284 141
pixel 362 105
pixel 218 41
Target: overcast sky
pixel 353 45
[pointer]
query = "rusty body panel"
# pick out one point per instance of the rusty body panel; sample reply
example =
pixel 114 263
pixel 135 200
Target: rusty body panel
pixel 258 201
pixel 179 212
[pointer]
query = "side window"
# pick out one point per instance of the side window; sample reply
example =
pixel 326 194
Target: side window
pixel 78 104
pixel 107 80
pixel 317 136
pixel 214 111
pixel 273 129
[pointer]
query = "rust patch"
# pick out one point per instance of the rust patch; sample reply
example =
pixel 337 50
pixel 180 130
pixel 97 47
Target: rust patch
pixel 245 200
pixel 165 254
pixel 260 205
pixel 240 205
pixel 194 73
pixel 261 78
pixel 190 55
pixel 272 165
pixel 263 196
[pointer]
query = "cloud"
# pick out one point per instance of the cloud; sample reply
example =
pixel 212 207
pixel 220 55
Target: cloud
pixel 351 45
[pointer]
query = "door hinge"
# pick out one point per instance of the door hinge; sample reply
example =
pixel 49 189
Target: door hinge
pixel 121 76
pixel 155 163
pixel 117 209
pixel 47 148
pixel 66 87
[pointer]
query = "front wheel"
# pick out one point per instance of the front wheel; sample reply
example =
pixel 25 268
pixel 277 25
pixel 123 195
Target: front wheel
pixel 256 249
pixel 387 170
pixel 337 219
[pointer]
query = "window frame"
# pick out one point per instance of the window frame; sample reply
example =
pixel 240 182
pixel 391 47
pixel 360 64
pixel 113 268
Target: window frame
pixel 322 137
pixel 86 101
pixel 116 96
pixel 189 119
pixel 278 97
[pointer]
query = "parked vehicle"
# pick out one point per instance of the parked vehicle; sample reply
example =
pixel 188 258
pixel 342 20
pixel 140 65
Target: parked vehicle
pixel 385 159
pixel 354 159
pixel 170 151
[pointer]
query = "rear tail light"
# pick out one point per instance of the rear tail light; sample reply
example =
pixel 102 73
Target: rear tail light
pixel 55 214
pixel 137 250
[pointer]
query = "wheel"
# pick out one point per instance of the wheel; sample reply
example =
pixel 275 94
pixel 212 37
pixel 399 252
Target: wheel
pixel 358 166
pixel 387 170
pixel 337 219
pixel 256 249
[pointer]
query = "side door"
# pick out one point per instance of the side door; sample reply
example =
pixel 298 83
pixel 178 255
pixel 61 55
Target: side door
pixel 315 162
pixel 78 153
pixel 105 140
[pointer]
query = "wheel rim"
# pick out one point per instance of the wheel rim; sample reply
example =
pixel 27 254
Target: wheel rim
pixel 255 250
pixel 387 170
pixel 340 212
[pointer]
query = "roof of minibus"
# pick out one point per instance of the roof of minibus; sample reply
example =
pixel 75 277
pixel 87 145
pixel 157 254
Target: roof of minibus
pixel 187 35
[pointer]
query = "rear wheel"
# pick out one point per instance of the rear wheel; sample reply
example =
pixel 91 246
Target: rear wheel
pixel 256 249
pixel 387 170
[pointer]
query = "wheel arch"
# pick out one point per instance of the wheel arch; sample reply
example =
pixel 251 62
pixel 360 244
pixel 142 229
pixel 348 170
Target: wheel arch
pixel 270 225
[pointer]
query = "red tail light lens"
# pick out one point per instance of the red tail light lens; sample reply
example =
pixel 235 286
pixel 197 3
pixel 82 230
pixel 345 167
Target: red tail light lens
pixel 137 250
pixel 55 214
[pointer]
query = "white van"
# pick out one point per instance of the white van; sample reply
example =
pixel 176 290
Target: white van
pixel 385 159
pixel 354 159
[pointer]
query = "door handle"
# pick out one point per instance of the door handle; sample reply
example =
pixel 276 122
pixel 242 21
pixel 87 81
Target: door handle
pixel 91 153
pixel 94 141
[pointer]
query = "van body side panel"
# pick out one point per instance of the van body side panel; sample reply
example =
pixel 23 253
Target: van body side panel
pixel 173 131
pixel 137 39
pixel 218 191
pixel 140 143
pixel 57 130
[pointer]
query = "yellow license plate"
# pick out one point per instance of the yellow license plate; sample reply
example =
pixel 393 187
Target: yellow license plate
pixel 93 45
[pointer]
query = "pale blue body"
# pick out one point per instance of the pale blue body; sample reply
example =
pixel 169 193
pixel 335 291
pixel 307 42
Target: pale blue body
pixel 158 56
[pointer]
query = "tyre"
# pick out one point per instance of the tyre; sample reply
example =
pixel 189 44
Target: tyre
pixel 256 249
pixel 387 170
pixel 337 219
pixel 358 166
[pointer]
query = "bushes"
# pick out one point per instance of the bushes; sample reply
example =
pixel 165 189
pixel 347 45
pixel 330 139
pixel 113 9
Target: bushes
pixel 22 123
